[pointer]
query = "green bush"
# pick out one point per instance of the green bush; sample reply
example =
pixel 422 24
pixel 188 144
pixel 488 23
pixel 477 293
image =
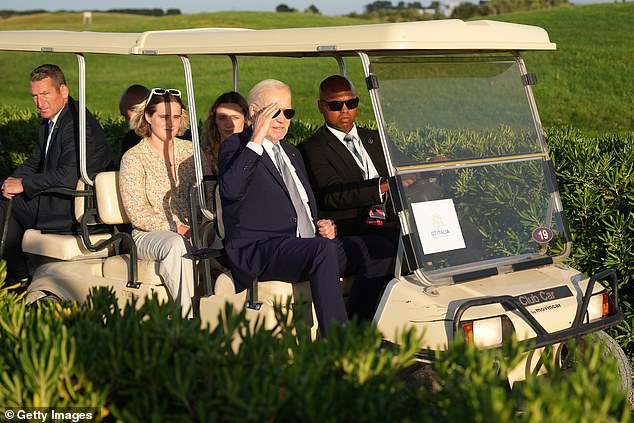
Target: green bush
pixel 596 182
pixel 18 134
pixel 148 364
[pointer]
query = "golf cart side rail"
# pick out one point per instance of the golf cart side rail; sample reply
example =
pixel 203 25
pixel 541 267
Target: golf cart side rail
pixel 577 328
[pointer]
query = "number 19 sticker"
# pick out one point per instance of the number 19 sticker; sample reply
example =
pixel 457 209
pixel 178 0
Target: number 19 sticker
pixel 543 235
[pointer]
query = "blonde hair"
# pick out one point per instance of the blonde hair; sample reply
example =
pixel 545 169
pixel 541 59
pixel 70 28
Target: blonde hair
pixel 141 126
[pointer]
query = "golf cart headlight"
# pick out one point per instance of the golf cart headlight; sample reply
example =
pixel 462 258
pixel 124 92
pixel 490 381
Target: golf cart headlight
pixel 488 332
pixel 598 306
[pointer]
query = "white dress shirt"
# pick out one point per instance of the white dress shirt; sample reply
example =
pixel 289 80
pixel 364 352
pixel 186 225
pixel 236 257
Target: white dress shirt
pixel 50 132
pixel 367 167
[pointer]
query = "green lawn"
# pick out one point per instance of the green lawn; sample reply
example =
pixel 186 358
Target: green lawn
pixel 586 83
pixel 108 76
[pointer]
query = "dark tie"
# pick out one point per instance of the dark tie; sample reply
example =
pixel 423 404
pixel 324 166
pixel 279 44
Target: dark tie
pixel 349 140
pixel 49 128
pixel 304 225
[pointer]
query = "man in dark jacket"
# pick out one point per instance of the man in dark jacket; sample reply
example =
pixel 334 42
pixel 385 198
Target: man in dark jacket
pixel 345 163
pixel 54 162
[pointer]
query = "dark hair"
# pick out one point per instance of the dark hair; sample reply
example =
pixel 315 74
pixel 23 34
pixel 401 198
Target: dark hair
pixel 132 96
pixel 211 135
pixel 335 83
pixel 142 127
pixel 49 71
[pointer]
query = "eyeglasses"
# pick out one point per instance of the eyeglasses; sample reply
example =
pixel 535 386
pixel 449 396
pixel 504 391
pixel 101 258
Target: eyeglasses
pixel 163 91
pixel 337 105
pixel 288 113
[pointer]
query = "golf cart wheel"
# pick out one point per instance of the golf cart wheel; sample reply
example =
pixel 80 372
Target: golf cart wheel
pixel 47 298
pixel 612 348
pixel 420 374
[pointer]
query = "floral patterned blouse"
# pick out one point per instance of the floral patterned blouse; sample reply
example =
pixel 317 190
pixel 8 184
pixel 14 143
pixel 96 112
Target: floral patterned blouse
pixel 152 199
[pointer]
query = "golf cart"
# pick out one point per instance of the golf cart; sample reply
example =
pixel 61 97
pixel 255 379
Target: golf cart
pixel 483 229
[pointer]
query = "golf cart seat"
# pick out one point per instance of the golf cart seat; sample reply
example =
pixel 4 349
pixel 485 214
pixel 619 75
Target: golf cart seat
pixel 60 247
pixel 111 212
pixel 269 291
pixel 63 247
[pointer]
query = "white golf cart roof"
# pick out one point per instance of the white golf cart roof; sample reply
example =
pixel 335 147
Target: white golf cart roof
pixel 68 41
pixel 429 36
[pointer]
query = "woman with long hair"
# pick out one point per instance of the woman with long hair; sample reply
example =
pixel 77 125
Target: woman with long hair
pixel 227 116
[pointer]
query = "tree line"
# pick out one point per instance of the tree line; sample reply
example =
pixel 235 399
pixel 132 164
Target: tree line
pixel 382 10
pixel 146 12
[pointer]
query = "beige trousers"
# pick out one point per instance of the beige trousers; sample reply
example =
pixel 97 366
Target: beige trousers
pixel 170 250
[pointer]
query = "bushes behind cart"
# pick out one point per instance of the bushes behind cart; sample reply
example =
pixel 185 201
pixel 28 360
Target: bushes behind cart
pixel 596 182
pixel 147 364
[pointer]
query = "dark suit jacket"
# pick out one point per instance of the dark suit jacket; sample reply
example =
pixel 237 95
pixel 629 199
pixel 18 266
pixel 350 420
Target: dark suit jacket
pixel 256 206
pixel 60 167
pixel 342 193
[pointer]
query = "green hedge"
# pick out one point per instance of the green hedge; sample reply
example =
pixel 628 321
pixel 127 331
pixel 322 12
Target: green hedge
pixel 150 365
pixel 596 182
pixel 595 179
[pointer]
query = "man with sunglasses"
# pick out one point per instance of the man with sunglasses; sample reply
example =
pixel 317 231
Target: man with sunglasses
pixel 52 163
pixel 345 163
pixel 348 173
pixel 269 213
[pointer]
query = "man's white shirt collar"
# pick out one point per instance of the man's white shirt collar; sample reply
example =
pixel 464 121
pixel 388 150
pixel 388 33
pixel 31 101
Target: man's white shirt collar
pixel 367 167
pixel 340 134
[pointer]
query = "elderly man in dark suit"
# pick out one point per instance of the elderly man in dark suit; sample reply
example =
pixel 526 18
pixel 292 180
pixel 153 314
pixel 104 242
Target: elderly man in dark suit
pixel 54 162
pixel 269 213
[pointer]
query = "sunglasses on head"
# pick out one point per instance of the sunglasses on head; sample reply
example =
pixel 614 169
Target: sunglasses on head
pixel 337 105
pixel 288 113
pixel 163 91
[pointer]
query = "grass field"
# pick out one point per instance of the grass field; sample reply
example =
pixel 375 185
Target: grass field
pixel 585 84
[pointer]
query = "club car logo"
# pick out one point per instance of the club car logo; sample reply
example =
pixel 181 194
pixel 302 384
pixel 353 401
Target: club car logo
pixel 544 295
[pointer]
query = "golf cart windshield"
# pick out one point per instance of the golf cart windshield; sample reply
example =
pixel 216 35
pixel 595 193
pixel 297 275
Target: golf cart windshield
pixel 473 176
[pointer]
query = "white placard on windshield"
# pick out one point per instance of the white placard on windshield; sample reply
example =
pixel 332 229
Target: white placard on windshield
pixel 438 226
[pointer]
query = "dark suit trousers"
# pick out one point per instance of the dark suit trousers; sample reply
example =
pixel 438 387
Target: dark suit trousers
pixel 23 217
pixel 315 259
pixel 323 261
pixel 371 259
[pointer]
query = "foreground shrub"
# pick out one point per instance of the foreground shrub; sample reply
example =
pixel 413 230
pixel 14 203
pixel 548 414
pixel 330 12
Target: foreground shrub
pixel 148 364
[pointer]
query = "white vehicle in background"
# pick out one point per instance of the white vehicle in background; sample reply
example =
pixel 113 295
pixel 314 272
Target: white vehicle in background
pixel 483 227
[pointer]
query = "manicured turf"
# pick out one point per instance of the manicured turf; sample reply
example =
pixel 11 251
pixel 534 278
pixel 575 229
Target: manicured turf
pixel 586 83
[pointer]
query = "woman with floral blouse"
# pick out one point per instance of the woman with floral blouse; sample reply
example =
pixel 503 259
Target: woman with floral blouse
pixel 154 179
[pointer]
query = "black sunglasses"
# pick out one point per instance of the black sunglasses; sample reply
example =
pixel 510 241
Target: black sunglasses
pixel 337 105
pixel 288 113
